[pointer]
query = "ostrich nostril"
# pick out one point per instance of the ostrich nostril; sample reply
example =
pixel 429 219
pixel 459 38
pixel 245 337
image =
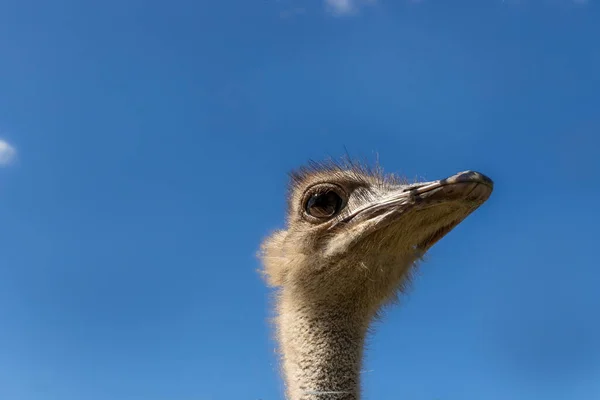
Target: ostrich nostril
pixel 413 187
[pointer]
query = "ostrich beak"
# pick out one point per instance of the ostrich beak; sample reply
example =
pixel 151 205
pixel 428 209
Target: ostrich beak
pixel 435 208
pixel 466 191
pixel 468 186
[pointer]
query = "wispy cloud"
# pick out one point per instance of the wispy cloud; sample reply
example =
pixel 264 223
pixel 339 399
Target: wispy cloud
pixel 346 7
pixel 7 153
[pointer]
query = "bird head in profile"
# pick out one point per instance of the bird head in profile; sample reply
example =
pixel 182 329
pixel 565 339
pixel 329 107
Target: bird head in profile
pixel 355 233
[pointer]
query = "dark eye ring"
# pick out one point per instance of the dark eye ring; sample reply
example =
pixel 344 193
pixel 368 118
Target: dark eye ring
pixel 324 203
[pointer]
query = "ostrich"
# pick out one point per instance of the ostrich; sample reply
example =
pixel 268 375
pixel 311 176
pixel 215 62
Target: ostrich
pixel 352 238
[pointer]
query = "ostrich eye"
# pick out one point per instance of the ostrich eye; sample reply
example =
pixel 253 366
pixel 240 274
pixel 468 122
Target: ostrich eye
pixel 324 205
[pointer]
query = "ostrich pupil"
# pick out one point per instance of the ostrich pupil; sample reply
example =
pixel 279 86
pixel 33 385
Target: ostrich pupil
pixel 324 204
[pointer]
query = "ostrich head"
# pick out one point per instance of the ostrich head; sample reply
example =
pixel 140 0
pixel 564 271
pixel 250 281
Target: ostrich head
pixel 355 234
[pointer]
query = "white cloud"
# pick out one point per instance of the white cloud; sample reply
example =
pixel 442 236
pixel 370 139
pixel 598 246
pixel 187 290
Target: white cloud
pixel 7 153
pixel 346 7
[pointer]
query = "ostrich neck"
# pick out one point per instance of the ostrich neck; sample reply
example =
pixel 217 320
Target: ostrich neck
pixel 321 350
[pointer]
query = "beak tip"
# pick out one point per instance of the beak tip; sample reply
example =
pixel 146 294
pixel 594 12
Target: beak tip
pixel 471 176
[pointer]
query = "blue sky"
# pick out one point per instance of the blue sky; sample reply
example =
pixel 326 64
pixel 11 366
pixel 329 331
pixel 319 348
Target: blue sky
pixel 144 154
